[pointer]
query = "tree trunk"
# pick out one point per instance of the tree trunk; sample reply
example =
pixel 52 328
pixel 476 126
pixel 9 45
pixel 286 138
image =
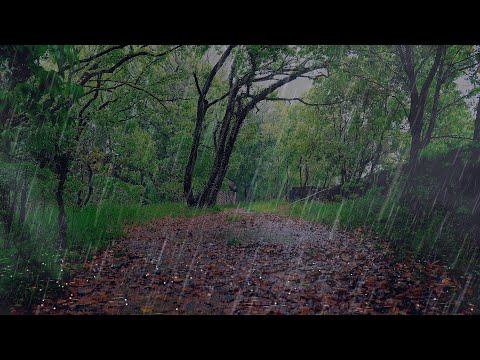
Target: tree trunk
pixel 436 98
pixel 187 180
pixel 222 158
pixel 343 173
pixel 476 133
pixel 62 171
pixel 202 107
pixel 62 221
pixel 415 119
pixel 90 186
pixel 415 149
pixel 418 100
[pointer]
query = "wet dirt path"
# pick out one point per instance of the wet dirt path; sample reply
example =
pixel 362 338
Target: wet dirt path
pixel 237 262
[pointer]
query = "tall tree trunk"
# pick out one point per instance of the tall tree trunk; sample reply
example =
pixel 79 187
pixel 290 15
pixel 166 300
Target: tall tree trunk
pixel 415 119
pixel 436 98
pixel 90 186
pixel 202 107
pixel 222 158
pixel 212 199
pixel 343 172
pixel 187 180
pixel 476 132
pixel 415 148
pixel 84 201
pixel 222 148
pixel 417 99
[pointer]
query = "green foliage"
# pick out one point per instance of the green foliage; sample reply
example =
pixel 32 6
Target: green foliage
pixel 170 191
pixel 110 189
pixel 134 154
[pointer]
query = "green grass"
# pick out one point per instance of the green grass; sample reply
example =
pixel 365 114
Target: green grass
pixel 96 226
pixel 435 235
pixel 32 266
pixel 233 218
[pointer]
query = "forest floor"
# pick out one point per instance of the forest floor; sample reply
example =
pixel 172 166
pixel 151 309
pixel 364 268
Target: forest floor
pixel 238 262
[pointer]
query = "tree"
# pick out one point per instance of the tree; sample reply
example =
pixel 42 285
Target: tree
pixel 411 65
pixel 476 133
pixel 56 97
pixel 255 73
pixel 428 68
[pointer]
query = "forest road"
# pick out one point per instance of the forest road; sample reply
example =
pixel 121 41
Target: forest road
pixel 238 262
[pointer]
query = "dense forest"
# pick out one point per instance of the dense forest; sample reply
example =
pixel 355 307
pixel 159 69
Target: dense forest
pixel 379 141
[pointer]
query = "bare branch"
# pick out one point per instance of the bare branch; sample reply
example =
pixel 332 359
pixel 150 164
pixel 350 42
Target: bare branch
pixel 304 102
pixel 88 76
pixel 96 56
pixel 197 84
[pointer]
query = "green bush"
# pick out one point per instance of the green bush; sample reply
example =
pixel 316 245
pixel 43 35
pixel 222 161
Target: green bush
pixel 171 191
pixel 109 189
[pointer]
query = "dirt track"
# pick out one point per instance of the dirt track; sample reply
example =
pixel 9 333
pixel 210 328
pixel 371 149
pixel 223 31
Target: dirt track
pixel 248 263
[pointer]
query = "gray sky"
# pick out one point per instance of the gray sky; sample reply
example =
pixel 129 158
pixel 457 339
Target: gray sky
pixel 297 87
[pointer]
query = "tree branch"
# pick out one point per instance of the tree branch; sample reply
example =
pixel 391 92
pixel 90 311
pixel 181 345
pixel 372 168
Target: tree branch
pixel 304 102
